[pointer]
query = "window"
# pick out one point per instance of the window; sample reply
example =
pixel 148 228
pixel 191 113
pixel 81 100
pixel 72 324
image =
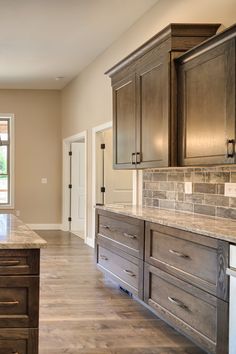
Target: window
pixel 6 161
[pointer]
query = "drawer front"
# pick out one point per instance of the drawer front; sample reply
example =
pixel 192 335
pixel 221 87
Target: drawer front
pixel 19 301
pixel 19 341
pixel 17 262
pixel 122 269
pixel 201 264
pixel 126 233
pixel 186 307
pixel 13 346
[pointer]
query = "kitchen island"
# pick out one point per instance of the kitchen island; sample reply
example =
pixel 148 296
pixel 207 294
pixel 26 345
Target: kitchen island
pixel 19 286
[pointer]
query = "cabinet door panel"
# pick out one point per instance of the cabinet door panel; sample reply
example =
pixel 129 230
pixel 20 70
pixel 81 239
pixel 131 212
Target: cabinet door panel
pixel 154 114
pixel 207 106
pixel 124 122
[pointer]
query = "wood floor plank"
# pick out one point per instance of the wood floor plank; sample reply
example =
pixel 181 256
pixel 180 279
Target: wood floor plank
pixel 81 312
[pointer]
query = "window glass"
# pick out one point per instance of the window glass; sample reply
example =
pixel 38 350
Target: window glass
pixel 4 130
pixel 4 189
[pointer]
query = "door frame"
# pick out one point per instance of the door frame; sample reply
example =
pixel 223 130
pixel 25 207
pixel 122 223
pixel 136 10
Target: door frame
pixel 80 137
pixel 137 176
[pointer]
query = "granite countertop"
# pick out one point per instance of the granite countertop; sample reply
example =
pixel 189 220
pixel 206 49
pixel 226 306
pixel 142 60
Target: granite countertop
pixel 14 234
pixel 215 227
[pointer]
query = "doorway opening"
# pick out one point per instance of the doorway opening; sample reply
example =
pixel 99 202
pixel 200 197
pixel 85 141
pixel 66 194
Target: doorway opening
pixel 74 185
pixel 109 186
pixel 112 186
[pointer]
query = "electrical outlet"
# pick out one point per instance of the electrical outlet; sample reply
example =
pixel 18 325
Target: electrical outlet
pixel 188 187
pixel 230 189
pixel 44 180
pixel 17 212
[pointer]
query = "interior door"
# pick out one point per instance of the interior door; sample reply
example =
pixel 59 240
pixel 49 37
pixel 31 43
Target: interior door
pixel 118 184
pixel 78 187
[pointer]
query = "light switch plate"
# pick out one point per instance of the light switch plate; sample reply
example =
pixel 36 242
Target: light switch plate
pixel 230 189
pixel 44 180
pixel 188 187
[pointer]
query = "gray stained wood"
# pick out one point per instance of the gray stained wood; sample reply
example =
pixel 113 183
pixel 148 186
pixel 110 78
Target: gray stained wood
pixel 83 312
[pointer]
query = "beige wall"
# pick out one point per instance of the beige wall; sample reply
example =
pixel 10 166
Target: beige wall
pixel 86 101
pixel 37 153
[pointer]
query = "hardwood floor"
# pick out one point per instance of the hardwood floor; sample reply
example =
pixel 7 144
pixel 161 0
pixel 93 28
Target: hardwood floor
pixel 83 313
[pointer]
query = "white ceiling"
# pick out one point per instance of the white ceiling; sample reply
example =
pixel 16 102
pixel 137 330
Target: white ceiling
pixel 43 39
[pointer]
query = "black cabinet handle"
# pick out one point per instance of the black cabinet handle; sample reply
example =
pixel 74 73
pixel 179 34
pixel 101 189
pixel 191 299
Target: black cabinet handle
pixel 178 303
pixel 133 160
pixel 138 159
pixel 179 254
pixel 230 148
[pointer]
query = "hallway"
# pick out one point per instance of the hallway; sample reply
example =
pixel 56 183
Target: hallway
pixel 81 313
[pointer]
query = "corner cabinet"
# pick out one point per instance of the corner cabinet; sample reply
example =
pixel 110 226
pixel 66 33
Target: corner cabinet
pixel 206 101
pixel 144 98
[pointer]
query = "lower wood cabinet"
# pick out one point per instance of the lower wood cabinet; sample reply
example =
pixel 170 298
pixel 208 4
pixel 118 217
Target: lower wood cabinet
pixel 201 316
pixel 18 341
pixel 125 269
pixel 180 275
pixel 19 301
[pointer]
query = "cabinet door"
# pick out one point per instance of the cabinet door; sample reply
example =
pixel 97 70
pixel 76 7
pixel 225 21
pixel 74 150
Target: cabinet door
pixel 206 98
pixel 153 110
pixel 124 125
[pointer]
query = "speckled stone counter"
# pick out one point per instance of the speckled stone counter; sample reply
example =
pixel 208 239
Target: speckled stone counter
pixel 215 227
pixel 14 234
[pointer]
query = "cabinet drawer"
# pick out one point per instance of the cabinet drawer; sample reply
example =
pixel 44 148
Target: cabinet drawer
pixel 18 341
pixel 123 270
pixel 186 307
pixel 14 262
pixel 19 301
pixel 125 233
pixel 200 260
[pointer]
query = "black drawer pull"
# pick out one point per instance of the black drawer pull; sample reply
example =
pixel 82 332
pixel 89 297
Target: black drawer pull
pixel 230 148
pixel 103 257
pixel 129 272
pixel 178 303
pixel 133 162
pixel 9 303
pixel 179 254
pixel 9 263
pixel 129 235
pixel 105 227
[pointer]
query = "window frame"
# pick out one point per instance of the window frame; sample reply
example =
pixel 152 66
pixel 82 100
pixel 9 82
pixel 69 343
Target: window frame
pixel 11 152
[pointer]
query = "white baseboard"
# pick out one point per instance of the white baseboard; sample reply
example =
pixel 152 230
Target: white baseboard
pixel 90 242
pixel 45 226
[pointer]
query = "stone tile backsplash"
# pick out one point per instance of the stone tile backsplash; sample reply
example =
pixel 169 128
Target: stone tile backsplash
pixel 164 188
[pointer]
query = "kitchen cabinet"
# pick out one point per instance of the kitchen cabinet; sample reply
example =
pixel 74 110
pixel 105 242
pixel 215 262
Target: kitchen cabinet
pixel 185 283
pixel 206 102
pixel 179 275
pixel 144 98
pixel 19 300
pixel 120 250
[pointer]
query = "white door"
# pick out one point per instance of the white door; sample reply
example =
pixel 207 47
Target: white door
pixel 78 188
pixel 118 183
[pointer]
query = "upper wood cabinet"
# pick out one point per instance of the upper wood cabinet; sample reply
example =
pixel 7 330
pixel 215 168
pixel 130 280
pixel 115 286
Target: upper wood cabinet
pixel 206 100
pixel 144 98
